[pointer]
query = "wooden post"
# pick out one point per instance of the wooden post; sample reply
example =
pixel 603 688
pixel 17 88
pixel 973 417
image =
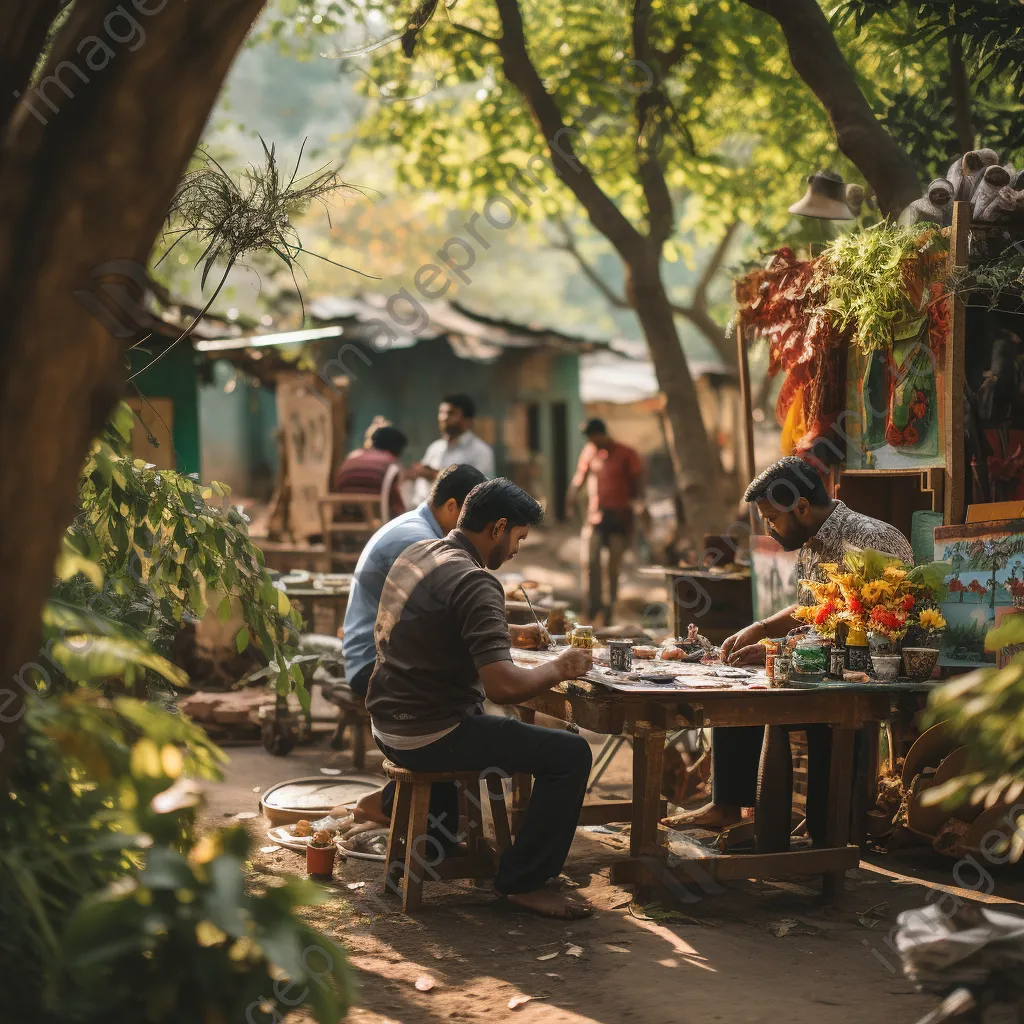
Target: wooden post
pixel 745 401
pixel 648 758
pixel 953 398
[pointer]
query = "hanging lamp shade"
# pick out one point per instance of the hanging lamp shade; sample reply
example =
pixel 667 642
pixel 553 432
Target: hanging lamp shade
pixel 825 198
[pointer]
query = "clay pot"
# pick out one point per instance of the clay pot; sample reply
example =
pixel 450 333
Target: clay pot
pixel 320 860
pixel 919 662
pixel 885 667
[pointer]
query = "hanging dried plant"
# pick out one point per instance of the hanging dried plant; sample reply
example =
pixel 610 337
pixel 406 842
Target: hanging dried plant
pixel 878 278
pixel 235 219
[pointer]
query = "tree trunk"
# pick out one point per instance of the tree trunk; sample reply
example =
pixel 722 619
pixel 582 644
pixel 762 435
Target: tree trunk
pixel 817 59
pixel 961 88
pixel 85 180
pixel 694 464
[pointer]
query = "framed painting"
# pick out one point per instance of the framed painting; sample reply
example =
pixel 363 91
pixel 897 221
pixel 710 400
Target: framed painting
pixel 984 558
pixel 772 576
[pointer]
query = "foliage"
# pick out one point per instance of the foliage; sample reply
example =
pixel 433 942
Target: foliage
pixel 1000 282
pixel 111 909
pixel 877 592
pixel 986 710
pixel 918 38
pixel 877 278
pixel 148 550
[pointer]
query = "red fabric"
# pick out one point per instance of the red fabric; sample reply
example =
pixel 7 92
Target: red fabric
pixel 613 478
pixel 363 472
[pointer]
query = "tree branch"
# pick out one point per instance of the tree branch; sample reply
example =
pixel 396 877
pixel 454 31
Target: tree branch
pixel 568 244
pixel 522 73
pixel 23 29
pixel 817 59
pixel 474 32
pixel 660 211
pixel 713 265
pixel 961 88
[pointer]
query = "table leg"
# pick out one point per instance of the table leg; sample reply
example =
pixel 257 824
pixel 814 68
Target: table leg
pixel 648 758
pixel 840 792
pixel 773 815
pixel 522 784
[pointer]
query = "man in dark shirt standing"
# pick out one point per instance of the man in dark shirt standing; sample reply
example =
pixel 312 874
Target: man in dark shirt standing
pixel 443 647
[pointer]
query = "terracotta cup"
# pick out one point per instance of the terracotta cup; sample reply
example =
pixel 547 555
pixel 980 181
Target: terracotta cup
pixel 320 860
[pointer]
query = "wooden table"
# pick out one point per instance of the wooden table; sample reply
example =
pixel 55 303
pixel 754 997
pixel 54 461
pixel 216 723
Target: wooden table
pixel 322 609
pixel 666 859
pixel 720 603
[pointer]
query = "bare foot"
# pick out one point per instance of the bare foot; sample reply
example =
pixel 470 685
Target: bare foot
pixel 709 816
pixel 549 904
pixel 367 808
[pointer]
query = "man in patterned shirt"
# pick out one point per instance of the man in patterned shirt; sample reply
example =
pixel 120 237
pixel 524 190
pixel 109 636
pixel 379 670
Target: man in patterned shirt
pixel 792 501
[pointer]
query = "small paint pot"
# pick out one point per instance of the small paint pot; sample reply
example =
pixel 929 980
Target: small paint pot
pixel 620 653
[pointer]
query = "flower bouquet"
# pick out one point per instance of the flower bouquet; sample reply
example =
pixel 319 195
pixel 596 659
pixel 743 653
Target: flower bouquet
pixel 880 593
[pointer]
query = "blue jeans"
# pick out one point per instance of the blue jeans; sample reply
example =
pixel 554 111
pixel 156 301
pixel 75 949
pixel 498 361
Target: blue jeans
pixel 559 762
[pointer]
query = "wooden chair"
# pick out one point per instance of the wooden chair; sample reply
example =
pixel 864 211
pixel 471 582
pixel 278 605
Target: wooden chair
pixel 410 854
pixel 347 522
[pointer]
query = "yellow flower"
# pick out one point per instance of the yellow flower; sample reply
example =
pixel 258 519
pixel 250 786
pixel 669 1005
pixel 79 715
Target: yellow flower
pixel 931 618
pixel 894 572
pixel 829 567
pixel 871 593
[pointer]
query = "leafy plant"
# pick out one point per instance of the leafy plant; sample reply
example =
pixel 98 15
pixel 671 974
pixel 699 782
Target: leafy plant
pixel 112 909
pixel 986 710
pixel 149 550
pixel 876 278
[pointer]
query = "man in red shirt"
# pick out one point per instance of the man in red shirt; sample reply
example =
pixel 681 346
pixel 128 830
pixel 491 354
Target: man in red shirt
pixel 376 470
pixel 614 476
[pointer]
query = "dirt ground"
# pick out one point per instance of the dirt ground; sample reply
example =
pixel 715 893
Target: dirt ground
pixel 718 959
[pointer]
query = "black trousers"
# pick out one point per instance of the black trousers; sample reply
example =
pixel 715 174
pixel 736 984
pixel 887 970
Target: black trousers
pixel 736 755
pixel 559 762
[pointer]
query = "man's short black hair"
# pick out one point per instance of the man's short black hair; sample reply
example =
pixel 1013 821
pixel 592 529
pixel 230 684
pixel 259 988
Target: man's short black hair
pixel 455 482
pixel 389 439
pixel 785 482
pixel 463 402
pixel 499 499
pixel 595 426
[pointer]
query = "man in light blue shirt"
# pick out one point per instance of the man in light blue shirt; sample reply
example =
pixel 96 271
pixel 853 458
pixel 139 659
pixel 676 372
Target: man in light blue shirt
pixel 431 520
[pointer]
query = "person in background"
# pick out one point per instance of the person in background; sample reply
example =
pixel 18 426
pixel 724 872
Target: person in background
pixel 443 646
pixel 376 470
pixel 457 444
pixel 377 421
pixel 792 501
pixel 431 520
pixel 613 473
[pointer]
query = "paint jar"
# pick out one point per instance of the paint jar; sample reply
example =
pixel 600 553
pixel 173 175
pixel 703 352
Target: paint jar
pixel 771 652
pixel 782 668
pixel 809 659
pixel 858 653
pixel 583 636
pixel 620 653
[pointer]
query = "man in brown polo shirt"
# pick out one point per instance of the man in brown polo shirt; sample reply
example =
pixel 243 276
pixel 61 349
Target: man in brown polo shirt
pixel 443 647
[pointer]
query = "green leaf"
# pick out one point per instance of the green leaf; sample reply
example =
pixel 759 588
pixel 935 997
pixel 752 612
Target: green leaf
pixel 224 609
pixel 242 639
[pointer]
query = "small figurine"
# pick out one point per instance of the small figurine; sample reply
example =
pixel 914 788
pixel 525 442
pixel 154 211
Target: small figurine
pixel 935 205
pixel 987 187
pixel 963 173
pixel 691 633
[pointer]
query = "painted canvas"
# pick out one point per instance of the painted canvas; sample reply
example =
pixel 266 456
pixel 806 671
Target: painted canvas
pixel 892 409
pixel 984 559
pixel 772 576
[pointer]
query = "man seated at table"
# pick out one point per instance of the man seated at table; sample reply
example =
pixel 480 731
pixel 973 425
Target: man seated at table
pixel 443 647
pixel 791 500
pixel 430 520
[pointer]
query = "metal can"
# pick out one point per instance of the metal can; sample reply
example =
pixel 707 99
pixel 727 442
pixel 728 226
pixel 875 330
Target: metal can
pixel 837 661
pixel 620 654
pixel 783 664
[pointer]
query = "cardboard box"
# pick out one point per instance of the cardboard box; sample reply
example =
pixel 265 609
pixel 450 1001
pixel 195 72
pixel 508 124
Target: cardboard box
pixel 992 510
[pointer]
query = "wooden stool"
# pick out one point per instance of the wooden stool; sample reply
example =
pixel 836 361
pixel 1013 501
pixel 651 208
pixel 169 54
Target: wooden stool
pixel 408 848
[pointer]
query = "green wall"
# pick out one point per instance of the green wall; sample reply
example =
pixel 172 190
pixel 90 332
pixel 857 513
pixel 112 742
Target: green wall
pixel 174 377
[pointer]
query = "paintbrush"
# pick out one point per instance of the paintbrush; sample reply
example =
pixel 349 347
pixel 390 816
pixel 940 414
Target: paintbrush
pixel 543 628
